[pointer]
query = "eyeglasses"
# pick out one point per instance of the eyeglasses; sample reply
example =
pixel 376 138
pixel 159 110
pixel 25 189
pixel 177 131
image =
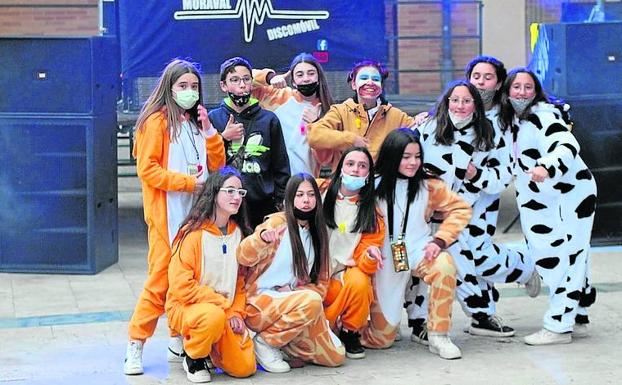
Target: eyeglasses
pixel 231 191
pixel 236 80
pixel 465 101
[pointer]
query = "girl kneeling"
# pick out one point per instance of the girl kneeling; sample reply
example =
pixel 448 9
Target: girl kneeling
pixel 408 200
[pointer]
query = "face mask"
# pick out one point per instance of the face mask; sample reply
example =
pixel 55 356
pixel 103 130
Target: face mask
pixel 186 99
pixel 304 215
pixel 520 105
pixel 487 95
pixel 460 123
pixel 239 100
pixel 308 89
pixel 353 183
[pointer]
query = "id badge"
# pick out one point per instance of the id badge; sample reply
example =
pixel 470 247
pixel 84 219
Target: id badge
pixel 193 169
pixel 400 256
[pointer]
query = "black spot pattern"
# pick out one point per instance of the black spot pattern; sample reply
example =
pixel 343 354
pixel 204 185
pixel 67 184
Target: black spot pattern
pixel 563 187
pixel 586 207
pixel 491 271
pixel 548 263
pixel 514 275
pixel 557 242
pixel 573 257
pixel 541 229
pixel 584 174
pixel 534 205
pixel 555 128
pixel 532 153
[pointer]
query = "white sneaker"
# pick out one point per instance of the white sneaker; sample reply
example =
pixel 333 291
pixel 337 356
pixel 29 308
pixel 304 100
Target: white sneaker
pixel 398 336
pixel 441 344
pixel 533 285
pixel 175 352
pixel 269 357
pixel 133 358
pixel 547 337
pixel 196 370
pixel 580 331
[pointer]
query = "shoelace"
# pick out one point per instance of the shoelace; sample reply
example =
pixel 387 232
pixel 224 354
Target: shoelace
pixel 497 321
pixel 134 350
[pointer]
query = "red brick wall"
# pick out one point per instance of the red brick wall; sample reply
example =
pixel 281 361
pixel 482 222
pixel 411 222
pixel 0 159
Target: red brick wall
pixel 49 18
pixel 419 20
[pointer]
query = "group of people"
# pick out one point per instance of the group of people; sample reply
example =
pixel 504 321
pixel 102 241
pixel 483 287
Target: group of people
pixel 254 259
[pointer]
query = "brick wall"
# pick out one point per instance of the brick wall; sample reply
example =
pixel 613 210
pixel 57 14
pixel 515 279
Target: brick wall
pixel 419 54
pixel 49 18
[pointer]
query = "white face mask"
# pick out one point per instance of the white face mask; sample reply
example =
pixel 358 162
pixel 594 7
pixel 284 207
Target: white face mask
pixel 458 122
pixel 186 99
pixel 520 104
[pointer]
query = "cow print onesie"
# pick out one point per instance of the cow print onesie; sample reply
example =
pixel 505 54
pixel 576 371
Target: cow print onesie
pixel 556 214
pixel 479 261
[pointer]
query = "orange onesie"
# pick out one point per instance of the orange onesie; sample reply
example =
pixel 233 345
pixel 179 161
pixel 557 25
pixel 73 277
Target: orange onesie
pixel 206 290
pixel 151 150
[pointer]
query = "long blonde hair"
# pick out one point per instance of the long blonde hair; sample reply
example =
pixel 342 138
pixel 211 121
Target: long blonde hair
pixel 161 99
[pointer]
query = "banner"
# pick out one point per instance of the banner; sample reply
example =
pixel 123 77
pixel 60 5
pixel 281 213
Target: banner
pixel 267 32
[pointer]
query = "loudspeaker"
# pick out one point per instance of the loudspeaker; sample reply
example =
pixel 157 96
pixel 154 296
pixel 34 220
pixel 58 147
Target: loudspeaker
pixel 59 75
pixel 598 129
pixel 58 182
pixel 579 58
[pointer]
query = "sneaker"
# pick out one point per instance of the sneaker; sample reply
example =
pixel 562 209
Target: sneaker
pixel 352 343
pixel 133 358
pixel 547 337
pixel 175 352
pixel 398 336
pixel 441 344
pixel 269 357
pixel 420 331
pixel 579 331
pixel 533 285
pixel 490 326
pixel 196 370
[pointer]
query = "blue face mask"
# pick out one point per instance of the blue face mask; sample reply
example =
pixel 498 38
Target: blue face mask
pixel 353 183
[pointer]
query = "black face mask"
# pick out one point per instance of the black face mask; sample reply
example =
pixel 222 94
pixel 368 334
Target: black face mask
pixel 304 215
pixel 308 89
pixel 239 100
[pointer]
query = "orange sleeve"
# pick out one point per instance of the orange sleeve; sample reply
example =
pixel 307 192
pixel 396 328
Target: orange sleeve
pixel 327 133
pixel 149 154
pixel 184 274
pixel 239 301
pixel 215 147
pixel 455 210
pixel 363 262
pixel 253 248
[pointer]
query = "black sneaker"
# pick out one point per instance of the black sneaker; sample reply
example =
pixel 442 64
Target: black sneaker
pixel 420 331
pixel 489 326
pixel 353 346
pixel 196 370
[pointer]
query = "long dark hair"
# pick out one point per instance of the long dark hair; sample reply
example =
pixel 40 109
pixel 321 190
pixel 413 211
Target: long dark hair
pixel 388 163
pixel 161 99
pixel 317 228
pixel 500 71
pixel 507 111
pixel 444 127
pixel 323 92
pixel 205 207
pixel 366 214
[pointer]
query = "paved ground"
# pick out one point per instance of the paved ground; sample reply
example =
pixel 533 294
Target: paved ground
pixel 60 329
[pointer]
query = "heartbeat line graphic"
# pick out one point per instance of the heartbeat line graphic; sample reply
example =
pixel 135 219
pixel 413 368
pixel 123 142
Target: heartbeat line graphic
pixel 253 13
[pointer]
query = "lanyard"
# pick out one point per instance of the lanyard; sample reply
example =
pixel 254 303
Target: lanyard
pixel 404 220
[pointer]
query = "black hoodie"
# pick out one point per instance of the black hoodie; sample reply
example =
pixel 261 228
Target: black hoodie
pixel 266 166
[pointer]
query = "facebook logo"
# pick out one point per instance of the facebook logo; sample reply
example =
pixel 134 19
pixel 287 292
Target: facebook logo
pixel 322 45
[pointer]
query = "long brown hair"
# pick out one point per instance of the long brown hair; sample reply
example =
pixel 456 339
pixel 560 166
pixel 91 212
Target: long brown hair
pixel 317 228
pixel 323 92
pixel 161 99
pixel 482 127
